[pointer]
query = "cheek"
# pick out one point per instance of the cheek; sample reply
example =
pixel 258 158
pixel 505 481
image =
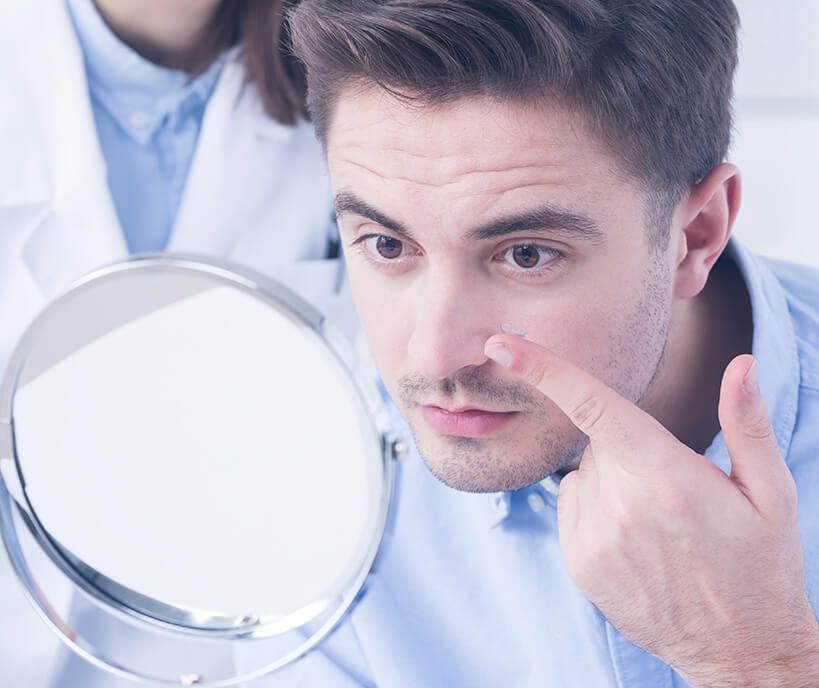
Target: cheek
pixel 617 331
pixel 384 319
pixel 581 324
pixel 576 334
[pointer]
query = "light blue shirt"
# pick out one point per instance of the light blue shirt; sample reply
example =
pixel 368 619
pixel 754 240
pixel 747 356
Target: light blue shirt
pixel 148 120
pixel 472 592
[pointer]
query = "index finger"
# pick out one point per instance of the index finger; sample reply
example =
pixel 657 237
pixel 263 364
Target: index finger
pixel 592 406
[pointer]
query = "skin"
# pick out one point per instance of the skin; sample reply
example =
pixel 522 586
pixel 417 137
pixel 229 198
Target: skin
pixel 629 369
pixel 166 32
pixel 447 172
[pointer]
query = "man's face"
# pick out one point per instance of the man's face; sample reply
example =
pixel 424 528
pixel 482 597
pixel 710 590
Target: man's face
pixel 457 219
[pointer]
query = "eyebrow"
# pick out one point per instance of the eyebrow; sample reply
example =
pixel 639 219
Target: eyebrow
pixel 547 218
pixel 347 202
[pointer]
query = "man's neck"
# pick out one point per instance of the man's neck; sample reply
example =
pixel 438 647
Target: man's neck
pixel 706 334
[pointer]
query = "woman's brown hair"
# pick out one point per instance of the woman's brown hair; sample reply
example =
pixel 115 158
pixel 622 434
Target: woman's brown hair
pixel 258 28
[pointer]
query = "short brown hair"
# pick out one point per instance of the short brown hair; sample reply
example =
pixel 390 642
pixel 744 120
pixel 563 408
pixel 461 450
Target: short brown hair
pixel 653 78
pixel 259 29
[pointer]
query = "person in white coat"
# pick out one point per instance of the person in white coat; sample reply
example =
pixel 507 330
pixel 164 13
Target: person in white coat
pixel 131 126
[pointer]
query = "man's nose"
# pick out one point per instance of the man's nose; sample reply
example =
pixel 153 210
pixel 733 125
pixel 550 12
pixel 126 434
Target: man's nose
pixel 450 329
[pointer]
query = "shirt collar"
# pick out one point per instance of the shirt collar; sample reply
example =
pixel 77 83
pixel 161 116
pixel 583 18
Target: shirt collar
pixel 136 92
pixel 775 348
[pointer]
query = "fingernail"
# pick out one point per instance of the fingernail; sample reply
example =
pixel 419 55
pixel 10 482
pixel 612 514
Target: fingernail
pixel 750 382
pixel 499 353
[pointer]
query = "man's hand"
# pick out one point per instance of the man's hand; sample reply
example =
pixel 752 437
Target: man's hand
pixel 702 569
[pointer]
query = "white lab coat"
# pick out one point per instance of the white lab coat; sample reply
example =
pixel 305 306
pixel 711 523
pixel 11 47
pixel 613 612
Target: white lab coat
pixel 257 193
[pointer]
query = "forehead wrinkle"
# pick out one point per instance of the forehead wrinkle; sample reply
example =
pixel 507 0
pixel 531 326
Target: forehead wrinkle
pixel 450 179
pixel 455 157
pixel 389 178
pixel 431 166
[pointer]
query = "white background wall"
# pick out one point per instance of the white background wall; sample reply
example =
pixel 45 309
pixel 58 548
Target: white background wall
pixel 777 128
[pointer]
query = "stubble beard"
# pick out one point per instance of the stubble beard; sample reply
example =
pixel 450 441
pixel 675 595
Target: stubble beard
pixel 635 356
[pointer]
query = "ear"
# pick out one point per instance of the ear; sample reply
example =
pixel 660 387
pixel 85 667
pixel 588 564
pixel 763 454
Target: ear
pixel 703 221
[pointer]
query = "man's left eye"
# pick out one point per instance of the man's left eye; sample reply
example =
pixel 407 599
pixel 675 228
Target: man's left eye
pixel 528 256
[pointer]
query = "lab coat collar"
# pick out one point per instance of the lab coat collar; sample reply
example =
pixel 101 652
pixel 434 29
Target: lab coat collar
pixel 54 167
pixel 55 172
pixel 212 200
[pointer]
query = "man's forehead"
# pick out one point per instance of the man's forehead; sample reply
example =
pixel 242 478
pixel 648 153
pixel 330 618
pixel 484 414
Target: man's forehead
pixel 471 164
pixel 443 143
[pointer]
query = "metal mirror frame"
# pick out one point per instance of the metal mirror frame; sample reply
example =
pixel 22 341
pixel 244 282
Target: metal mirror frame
pixel 128 604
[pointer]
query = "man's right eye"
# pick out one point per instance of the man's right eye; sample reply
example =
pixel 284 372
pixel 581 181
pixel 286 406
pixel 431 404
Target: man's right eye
pixel 388 247
pixel 383 248
pixel 386 251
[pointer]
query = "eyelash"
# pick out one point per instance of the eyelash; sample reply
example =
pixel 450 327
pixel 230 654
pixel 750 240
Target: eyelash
pixel 360 244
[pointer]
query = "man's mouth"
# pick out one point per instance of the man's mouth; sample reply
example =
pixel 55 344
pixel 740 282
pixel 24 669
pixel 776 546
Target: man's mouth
pixel 466 421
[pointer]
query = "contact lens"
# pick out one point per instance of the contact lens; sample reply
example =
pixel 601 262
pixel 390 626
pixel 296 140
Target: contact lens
pixel 508 329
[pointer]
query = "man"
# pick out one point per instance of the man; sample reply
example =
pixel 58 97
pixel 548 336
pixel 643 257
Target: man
pixel 557 167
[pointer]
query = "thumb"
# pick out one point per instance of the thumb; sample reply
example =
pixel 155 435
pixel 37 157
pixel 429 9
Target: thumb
pixel 757 467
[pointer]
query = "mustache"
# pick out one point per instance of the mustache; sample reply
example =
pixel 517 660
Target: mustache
pixel 474 384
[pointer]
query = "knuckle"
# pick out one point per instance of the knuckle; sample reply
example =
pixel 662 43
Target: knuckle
pixel 536 372
pixel 618 526
pixel 680 517
pixel 624 528
pixel 758 428
pixel 588 414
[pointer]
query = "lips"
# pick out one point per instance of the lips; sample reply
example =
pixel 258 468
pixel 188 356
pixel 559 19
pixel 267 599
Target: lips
pixel 466 422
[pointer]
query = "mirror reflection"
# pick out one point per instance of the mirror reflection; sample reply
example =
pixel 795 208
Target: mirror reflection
pixel 210 463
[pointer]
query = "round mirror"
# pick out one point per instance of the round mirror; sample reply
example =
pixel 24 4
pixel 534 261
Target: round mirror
pixel 191 448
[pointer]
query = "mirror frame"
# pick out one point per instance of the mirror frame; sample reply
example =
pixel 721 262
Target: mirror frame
pixel 128 604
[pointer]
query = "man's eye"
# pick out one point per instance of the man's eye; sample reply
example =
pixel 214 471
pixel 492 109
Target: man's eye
pixel 528 256
pixel 388 248
pixel 385 251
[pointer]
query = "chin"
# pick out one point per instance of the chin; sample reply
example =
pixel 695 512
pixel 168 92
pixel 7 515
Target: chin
pixel 489 465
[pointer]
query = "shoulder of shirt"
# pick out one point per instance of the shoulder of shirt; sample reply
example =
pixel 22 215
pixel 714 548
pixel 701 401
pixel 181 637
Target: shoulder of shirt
pixel 801 286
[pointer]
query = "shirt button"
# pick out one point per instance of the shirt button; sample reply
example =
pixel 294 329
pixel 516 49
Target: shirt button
pixel 138 120
pixel 536 502
pixel 550 485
